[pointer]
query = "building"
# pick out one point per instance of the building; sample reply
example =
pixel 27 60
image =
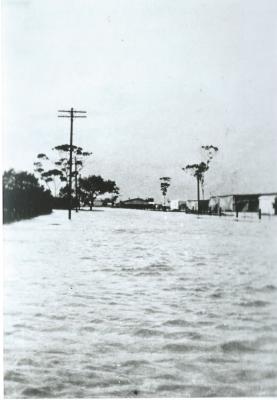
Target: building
pixel 234 202
pixel 98 203
pixel 177 205
pixel 138 203
pixel 268 203
pixel 214 204
pixel 192 206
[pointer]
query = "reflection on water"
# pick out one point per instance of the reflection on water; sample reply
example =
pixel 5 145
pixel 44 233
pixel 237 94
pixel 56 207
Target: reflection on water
pixel 136 303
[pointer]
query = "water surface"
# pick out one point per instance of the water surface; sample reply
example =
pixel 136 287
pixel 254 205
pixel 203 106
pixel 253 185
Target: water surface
pixel 138 303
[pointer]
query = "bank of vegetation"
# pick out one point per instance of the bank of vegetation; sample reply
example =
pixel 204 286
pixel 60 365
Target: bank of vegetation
pixel 24 197
pixel 54 172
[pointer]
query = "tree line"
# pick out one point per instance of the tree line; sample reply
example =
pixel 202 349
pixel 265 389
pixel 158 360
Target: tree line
pixel 27 195
pixel 23 196
pixel 54 173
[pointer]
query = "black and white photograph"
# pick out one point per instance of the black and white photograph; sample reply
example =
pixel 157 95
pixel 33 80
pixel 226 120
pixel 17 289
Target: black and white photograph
pixel 139 198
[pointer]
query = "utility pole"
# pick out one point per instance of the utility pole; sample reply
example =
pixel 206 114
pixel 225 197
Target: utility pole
pixel 71 114
pixel 198 194
pixel 76 185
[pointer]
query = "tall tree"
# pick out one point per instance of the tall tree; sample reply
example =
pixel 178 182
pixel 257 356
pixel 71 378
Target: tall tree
pixel 199 170
pixel 55 178
pixel 208 153
pixel 165 183
pixel 93 186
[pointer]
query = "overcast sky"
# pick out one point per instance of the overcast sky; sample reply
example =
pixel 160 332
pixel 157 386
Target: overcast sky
pixel 158 79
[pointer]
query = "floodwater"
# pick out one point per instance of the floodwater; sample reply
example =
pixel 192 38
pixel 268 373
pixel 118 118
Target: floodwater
pixel 122 303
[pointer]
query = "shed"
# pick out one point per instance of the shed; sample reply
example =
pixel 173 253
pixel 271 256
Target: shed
pixel 235 202
pixel 177 205
pixel 268 203
pixel 138 203
pixel 214 204
pixel 192 205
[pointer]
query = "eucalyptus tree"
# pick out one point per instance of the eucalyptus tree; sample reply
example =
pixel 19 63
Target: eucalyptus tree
pixel 199 170
pixel 58 176
pixel 165 184
pixel 208 153
pixel 49 176
pixel 79 156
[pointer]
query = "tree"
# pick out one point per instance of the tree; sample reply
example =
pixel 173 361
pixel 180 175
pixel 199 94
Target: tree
pixel 208 153
pixel 199 170
pixel 59 175
pixel 93 186
pixel 23 197
pixel 165 183
pixel 110 200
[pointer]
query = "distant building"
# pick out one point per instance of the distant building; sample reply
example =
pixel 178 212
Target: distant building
pixel 234 202
pixel 98 203
pixel 268 203
pixel 138 203
pixel 192 206
pixel 177 205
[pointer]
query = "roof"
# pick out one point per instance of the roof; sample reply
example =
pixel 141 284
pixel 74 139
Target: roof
pixel 244 194
pixel 268 194
pixel 136 199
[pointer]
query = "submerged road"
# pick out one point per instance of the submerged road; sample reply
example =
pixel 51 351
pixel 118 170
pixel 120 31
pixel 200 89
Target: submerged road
pixel 134 303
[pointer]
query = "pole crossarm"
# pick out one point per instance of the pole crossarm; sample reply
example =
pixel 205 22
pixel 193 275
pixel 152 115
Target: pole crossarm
pixel 74 116
pixel 74 111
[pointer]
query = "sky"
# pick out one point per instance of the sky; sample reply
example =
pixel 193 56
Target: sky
pixel 158 79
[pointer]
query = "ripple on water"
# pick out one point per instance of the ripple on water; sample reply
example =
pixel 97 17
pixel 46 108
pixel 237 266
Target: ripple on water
pixel 221 360
pixel 254 303
pixel 88 328
pixel 238 346
pixel 57 317
pixel 266 288
pixel 32 391
pixel 183 347
pixel 148 273
pixel 160 266
pixel 27 362
pixel 14 376
pixel 144 332
pixel 217 294
pixel 134 363
pixel 152 310
pixel 227 391
pixel 177 322
pixel 185 390
pixel 183 334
